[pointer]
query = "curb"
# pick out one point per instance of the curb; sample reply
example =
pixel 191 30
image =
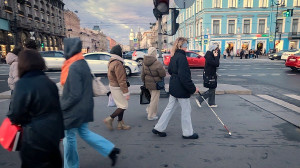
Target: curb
pixel 135 90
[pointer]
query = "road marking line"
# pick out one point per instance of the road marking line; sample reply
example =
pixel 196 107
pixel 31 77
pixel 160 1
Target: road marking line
pixel 271 68
pixel 2 80
pixel 4 74
pixel 233 69
pixel 261 74
pixel 231 75
pixel 293 96
pixel 280 102
pixel 257 68
pixel 53 78
pixel 3 100
pixel 199 75
pixel 275 74
pixel 246 75
pixel 237 65
pixel 291 74
pixel 247 65
pixel 222 69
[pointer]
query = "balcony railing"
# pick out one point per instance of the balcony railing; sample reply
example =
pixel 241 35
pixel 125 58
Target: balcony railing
pixel 37 18
pixel 21 13
pixel 27 3
pixel 36 7
pixel 8 9
pixel 42 10
pixel 29 16
pixel 294 35
pixel 43 20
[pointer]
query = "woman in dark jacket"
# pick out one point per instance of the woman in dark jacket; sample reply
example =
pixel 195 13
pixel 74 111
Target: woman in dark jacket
pixel 35 106
pixel 212 61
pixel 181 88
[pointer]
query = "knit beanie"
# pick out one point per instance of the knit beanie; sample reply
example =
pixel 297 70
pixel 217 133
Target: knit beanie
pixel 117 49
pixel 152 52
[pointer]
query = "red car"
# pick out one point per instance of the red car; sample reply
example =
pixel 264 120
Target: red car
pixel 194 59
pixel 293 62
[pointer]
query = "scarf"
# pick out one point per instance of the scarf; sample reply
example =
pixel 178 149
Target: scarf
pixel 66 66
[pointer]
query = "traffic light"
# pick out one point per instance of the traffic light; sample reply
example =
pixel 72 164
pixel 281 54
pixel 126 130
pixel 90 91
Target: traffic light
pixel 174 25
pixel 42 45
pixel 161 7
pixel 288 13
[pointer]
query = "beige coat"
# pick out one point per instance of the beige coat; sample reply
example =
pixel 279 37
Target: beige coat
pixel 13 75
pixel 116 74
pixel 157 70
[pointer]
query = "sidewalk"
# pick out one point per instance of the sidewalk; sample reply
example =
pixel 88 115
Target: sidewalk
pixel 135 90
pixel 259 139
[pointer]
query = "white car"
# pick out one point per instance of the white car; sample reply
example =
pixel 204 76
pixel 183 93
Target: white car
pixel 53 59
pixel 285 55
pixel 98 63
pixel 138 55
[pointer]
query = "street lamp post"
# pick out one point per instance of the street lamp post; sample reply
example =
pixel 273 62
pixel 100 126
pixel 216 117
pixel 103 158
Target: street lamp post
pixel 276 28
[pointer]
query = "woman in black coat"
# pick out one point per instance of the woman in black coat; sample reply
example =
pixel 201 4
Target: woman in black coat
pixel 35 106
pixel 181 88
pixel 212 61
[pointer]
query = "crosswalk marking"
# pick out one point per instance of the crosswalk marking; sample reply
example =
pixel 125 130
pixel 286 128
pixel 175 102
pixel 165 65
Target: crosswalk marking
pixel 275 74
pixel 293 96
pixel 280 102
pixel 231 75
pixel 261 74
pixel 291 74
pixel 53 78
pixel 3 100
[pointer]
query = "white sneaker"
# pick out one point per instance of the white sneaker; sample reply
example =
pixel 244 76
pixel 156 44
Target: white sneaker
pixel 152 118
pixel 213 105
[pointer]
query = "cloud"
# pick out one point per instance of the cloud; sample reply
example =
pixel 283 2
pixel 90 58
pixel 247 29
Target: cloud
pixel 115 17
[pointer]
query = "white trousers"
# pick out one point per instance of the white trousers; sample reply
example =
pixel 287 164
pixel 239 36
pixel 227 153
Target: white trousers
pixel 186 122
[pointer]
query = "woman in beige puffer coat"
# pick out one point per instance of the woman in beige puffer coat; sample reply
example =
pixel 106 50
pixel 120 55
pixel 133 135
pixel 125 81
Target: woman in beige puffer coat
pixel 152 72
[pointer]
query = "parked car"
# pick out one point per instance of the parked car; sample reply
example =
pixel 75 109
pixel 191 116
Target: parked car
pixel 194 59
pixel 138 55
pixel 98 63
pixel 293 62
pixel 53 59
pixel 277 56
pixel 198 52
pixel 128 55
pixel 285 55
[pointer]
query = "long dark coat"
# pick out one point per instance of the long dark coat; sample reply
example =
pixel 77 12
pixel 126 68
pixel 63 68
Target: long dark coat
pixel 35 106
pixel 181 84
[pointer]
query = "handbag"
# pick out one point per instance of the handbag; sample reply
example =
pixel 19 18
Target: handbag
pixel 160 84
pixel 98 87
pixel 111 102
pixel 209 81
pixel 10 135
pixel 145 95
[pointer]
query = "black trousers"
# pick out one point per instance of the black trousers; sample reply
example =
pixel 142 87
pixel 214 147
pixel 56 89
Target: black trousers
pixel 210 94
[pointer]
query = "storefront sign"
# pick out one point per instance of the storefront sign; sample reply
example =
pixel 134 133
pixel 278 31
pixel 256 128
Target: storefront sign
pixel 205 41
pixel 205 36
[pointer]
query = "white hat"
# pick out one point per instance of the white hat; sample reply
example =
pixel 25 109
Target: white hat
pixel 152 52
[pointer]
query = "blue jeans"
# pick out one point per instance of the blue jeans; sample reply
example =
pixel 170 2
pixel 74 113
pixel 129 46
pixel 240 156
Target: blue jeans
pixel 99 143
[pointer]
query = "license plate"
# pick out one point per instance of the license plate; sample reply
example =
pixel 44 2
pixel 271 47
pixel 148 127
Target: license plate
pixel 292 60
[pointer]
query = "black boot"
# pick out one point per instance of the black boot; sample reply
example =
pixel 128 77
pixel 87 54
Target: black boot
pixel 113 156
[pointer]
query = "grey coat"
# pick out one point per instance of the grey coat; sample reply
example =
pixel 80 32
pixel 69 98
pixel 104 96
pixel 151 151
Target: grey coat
pixel 77 99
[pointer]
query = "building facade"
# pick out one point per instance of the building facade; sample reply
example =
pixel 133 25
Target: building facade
pixel 41 20
pixel 112 42
pixel 72 24
pixel 92 40
pixel 240 24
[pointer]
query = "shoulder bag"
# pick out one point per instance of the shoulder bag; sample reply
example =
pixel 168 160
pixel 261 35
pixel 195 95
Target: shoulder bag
pixel 160 84
pixel 209 81
pixel 10 135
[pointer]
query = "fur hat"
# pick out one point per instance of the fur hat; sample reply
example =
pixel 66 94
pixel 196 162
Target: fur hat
pixel 152 52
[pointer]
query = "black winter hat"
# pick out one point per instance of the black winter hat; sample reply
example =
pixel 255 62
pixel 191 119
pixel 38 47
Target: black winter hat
pixel 116 50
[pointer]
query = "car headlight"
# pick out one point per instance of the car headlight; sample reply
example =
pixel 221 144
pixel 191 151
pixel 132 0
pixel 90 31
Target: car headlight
pixel 275 55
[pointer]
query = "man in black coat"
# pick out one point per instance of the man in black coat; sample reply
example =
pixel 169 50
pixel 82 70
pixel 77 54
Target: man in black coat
pixel 212 61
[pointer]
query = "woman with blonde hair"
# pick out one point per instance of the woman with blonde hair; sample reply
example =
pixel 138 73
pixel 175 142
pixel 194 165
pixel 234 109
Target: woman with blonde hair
pixel 181 88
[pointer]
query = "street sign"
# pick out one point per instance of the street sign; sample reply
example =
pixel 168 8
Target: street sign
pixel 183 4
pixel 135 40
pixel 205 36
pixel 205 41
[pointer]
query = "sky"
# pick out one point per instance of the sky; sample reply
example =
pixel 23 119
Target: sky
pixel 115 17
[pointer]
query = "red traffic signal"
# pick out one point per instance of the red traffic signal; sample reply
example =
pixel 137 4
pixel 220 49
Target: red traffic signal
pixel 162 6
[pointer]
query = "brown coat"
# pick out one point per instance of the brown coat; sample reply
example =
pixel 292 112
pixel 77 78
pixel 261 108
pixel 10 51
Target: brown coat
pixel 157 70
pixel 116 74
